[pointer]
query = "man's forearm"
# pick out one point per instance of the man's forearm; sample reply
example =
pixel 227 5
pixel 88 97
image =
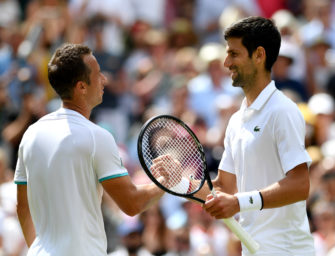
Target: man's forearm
pixel 24 216
pixel 27 226
pixel 28 230
pixel 293 188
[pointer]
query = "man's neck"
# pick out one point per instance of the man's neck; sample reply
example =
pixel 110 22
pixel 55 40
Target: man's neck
pixel 252 91
pixel 77 107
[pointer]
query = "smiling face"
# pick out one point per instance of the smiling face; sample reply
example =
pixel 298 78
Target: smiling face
pixel 95 88
pixel 242 67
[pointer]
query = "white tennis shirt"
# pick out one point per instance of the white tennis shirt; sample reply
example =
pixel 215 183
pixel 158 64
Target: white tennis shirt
pixel 263 142
pixel 63 157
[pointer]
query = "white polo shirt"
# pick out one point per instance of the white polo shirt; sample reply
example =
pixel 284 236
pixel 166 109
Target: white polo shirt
pixel 63 158
pixel 263 142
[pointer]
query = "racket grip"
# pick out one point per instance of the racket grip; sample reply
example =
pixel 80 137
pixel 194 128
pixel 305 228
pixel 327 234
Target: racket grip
pixel 244 237
pixel 213 192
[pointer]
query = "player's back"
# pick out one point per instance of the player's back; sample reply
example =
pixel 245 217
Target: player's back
pixel 63 191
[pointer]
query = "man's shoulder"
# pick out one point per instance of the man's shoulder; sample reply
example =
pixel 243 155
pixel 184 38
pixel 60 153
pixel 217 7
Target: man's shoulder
pixel 236 115
pixel 280 102
pixel 235 121
pixel 284 110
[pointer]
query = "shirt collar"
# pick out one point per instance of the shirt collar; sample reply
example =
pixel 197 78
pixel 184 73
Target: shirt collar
pixel 67 111
pixel 262 98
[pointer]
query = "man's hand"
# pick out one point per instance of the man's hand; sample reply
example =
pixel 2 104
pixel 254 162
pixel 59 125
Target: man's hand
pixel 222 206
pixel 167 170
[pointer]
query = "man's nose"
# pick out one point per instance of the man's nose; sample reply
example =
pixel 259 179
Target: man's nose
pixel 227 62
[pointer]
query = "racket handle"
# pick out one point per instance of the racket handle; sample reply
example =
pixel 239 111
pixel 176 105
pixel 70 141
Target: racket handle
pixel 237 229
pixel 244 237
pixel 213 192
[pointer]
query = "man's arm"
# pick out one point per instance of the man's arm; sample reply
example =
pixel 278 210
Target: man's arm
pixel 24 216
pixel 293 188
pixel 132 199
pixel 224 182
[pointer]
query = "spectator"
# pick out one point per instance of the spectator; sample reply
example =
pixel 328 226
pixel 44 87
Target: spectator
pixel 115 16
pixel 210 84
pixel 181 34
pixel 206 15
pixel 324 223
pixel 280 72
pixel 150 11
pixel 209 237
pixel 130 233
pixel 322 106
pixel 10 12
pixel 155 232
pixel 180 242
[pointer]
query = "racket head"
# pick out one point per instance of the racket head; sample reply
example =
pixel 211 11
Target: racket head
pixel 167 135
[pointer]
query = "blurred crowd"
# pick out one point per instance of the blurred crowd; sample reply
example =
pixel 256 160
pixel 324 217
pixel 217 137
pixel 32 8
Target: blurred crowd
pixel 166 57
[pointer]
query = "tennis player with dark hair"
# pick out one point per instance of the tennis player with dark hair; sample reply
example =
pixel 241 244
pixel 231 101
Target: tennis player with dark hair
pixel 65 161
pixel 263 173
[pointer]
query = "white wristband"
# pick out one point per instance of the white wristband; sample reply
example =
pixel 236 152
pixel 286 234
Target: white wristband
pixel 249 200
pixel 182 187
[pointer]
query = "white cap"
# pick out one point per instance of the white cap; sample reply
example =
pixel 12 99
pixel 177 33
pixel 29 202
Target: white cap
pixel 327 148
pixel 288 50
pixel 285 19
pixel 321 103
pixel 212 51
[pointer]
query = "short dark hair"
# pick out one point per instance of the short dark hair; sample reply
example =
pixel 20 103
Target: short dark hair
pixel 67 67
pixel 257 31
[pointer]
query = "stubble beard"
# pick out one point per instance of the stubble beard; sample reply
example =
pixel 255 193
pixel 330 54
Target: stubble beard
pixel 239 80
pixel 244 81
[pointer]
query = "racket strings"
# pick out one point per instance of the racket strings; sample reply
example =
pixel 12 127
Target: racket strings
pixel 169 138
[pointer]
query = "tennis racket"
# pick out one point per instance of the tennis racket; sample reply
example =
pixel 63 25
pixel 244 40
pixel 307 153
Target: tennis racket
pixel 169 141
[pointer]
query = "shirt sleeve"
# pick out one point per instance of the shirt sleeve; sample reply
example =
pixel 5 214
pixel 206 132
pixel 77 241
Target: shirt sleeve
pixel 107 162
pixel 289 132
pixel 20 176
pixel 227 162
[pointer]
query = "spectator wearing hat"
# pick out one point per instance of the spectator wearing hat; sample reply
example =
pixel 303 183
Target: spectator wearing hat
pixel 211 83
pixel 322 106
pixel 281 74
pixel 319 69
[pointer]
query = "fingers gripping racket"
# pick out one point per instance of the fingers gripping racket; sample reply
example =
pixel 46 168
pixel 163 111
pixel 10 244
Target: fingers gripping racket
pixel 179 164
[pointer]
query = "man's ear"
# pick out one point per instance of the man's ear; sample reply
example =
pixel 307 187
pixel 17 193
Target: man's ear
pixel 81 87
pixel 260 55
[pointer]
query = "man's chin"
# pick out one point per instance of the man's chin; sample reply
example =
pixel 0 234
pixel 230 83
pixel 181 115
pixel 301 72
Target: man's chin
pixel 237 83
pixel 97 104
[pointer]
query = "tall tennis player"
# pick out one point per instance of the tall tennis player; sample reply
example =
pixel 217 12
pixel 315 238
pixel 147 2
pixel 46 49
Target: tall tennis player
pixel 263 173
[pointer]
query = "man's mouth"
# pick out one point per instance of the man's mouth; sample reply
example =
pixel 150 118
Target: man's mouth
pixel 233 73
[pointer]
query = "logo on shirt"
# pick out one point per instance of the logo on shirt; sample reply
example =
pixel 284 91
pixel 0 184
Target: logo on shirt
pixel 257 129
pixel 251 201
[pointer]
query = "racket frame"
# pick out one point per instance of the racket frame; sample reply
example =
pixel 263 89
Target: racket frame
pixel 199 146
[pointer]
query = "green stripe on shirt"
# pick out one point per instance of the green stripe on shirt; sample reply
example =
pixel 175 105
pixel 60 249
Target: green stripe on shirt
pixel 113 176
pixel 20 182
